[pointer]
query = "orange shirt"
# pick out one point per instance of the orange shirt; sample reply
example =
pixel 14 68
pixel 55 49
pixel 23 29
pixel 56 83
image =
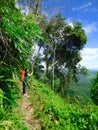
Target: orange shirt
pixel 22 73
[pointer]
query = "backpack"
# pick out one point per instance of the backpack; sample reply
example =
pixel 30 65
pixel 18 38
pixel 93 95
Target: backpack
pixel 22 74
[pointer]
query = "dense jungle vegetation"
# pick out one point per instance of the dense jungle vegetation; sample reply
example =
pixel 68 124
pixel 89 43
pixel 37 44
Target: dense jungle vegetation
pixel 63 94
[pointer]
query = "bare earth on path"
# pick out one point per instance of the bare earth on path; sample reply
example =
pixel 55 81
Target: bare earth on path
pixel 28 113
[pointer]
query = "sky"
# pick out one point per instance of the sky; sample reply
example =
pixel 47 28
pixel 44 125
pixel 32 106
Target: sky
pixel 86 12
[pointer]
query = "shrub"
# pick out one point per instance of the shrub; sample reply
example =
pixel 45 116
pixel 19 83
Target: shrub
pixel 94 89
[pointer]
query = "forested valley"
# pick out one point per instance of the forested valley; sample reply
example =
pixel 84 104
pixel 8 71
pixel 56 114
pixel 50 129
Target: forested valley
pixel 63 95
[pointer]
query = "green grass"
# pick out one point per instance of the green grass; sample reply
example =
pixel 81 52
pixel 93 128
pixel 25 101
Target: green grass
pixel 11 119
pixel 55 113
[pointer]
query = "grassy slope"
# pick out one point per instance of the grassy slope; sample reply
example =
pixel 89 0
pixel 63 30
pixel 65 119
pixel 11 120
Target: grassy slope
pixel 52 112
pixel 56 114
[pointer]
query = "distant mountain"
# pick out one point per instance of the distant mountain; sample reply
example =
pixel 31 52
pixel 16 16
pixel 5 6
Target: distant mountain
pixel 82 88
pixel 92 73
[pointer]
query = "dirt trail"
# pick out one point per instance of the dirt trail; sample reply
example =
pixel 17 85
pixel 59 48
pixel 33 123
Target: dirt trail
pixel 28 113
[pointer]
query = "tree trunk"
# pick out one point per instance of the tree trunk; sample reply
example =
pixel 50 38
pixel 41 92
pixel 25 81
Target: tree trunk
pixel 37 7
pixel 53 66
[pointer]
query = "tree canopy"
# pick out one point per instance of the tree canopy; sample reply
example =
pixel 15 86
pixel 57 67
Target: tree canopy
pixel 62 47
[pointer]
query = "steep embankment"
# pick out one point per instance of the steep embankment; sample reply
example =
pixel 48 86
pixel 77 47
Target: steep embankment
pixel 46 110
pixel 56 114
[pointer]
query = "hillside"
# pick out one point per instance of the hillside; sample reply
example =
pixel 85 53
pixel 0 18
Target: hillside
pixel 46 110
pixel 55 113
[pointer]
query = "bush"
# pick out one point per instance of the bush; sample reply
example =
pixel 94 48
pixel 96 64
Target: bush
pixel 94 90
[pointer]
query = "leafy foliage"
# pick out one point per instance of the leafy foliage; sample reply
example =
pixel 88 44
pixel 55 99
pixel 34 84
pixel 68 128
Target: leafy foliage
pixel 10 120
pixel 17 35
pixel 62 51
pixel 56 113
pixel 94 89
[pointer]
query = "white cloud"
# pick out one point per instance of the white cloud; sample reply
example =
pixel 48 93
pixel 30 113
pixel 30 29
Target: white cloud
pixel 90 28
pixel 69 21
pixel 82 7
pixel 90 58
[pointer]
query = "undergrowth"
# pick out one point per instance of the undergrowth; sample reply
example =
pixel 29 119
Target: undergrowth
pixel 55 113
pixel 11 119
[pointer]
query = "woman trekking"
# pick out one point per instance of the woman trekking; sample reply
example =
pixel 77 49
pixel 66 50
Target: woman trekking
pixel 25 83
pixel 23 78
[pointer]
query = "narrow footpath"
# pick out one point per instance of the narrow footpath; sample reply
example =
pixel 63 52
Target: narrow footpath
pixel 28 114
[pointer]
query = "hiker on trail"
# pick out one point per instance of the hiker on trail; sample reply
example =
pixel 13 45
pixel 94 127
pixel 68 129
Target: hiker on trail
pixel 23 78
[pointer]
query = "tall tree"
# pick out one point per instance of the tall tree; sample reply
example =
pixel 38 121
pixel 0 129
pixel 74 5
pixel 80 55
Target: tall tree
pixel 62 50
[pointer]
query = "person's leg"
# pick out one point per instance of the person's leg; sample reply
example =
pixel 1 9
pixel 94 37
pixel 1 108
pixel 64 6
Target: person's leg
pixel 24 88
